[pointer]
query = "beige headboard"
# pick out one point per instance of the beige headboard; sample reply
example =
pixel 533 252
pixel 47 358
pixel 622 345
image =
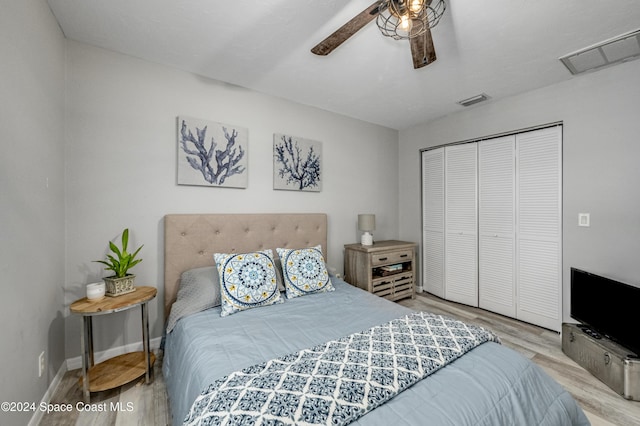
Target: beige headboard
pixel 191 239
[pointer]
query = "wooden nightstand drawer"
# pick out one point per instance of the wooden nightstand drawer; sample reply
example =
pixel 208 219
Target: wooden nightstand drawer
pixel 378 259
pixel 404 283
pixel 403 294
pixel 383 288
pixel 394 287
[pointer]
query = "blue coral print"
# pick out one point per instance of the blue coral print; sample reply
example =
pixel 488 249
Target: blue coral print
pixel 296 163
pixel 211 154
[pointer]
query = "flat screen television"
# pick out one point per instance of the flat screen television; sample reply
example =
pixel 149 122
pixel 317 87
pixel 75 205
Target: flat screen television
pixel 608 307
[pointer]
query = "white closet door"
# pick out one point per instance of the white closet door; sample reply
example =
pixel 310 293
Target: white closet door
pixel 461 224
pixel 496 225
pixel 538 242
pixel 433 221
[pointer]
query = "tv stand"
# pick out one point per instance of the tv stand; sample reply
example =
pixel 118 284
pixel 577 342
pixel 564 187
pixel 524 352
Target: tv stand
pixel 612 364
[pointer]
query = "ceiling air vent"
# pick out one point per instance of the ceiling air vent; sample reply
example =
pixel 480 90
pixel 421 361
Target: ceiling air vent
pixel 473 100
pixel 623 48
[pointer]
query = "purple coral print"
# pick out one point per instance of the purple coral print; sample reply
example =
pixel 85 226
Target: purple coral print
pixel 296 163
pixel 211 154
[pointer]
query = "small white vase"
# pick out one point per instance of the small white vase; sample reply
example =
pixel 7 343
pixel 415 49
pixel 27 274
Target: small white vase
pixel 95 291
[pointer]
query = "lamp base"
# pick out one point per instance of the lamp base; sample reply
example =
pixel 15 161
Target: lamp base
pixel 366 239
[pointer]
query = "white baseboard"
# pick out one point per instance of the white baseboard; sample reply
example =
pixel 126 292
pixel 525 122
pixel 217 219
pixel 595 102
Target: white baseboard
pixel 37 415
pixel 76 362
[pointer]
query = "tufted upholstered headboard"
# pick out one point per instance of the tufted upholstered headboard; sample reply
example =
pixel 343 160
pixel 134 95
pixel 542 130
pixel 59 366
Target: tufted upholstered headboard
pixel 190 240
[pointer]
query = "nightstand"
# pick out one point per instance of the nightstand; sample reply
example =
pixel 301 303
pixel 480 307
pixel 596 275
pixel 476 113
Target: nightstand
pixel 386 268
pixel 121 369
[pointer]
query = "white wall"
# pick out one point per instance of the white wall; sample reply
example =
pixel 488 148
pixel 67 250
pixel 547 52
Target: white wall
pixel 121 170
pixel 601 164
pixel 31 201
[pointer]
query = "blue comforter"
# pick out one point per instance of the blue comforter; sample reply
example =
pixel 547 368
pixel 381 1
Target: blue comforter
pixel 490 385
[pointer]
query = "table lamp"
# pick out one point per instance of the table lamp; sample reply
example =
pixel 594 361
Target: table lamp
pixel 366 224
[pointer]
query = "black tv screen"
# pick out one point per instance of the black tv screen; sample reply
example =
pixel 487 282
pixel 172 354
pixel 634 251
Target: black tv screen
pixel 608 307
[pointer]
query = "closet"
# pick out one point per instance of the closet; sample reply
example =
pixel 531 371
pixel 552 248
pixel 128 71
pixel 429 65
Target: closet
pixel 491 216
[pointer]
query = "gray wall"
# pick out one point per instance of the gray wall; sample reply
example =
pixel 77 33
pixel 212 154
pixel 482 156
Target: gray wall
pixel 121 170
pixel 96 131
pixel 31 201
pixel 601 169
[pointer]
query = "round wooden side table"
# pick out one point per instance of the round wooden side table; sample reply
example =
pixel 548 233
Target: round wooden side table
pixel 121 369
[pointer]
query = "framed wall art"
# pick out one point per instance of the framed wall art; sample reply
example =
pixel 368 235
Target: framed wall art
pixel 297 163
pixel 212 154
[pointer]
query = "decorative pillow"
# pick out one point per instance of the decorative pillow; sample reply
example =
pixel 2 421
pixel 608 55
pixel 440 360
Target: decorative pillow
pixel 247 280
pixel 199 290
pixel 304 271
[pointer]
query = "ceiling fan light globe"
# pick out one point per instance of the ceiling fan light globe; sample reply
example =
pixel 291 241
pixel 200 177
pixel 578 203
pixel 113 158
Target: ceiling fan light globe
pixel 405 23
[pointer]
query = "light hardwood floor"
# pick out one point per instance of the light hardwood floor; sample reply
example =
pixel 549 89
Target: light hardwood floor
pixel 132 404
pixel 149 403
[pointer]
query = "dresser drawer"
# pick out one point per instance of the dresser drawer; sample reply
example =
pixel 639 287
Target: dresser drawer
pixel 378 259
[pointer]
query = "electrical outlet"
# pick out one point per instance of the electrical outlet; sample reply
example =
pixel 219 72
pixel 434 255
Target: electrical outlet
pixel 41 364
pixel 584 219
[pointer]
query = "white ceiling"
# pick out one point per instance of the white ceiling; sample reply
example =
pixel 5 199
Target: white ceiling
pixel 499 47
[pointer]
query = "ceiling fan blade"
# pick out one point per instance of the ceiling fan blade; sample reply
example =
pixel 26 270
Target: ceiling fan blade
pixel 422 50
pixel 339 36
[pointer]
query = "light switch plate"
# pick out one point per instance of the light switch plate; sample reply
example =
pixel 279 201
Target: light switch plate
pixel 584 219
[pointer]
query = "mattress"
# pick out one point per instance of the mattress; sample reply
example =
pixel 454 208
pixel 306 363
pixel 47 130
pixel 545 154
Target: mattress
pixel 490 385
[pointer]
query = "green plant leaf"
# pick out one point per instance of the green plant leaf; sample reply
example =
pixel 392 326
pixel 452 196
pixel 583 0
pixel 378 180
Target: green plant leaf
pixel 136 252
pixel 125 239
pixel 121 261
pixel 134 263
pixel 114 248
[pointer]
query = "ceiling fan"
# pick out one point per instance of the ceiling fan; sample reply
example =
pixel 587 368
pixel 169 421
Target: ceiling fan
pixel 399 19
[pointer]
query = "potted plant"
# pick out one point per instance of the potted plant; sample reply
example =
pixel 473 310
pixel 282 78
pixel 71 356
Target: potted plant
pixel 120 262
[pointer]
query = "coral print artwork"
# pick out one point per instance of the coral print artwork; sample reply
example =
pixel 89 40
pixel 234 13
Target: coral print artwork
pixel 296 163
pixel 211 154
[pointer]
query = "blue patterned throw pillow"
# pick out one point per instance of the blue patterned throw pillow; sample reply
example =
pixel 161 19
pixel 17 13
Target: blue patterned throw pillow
pixel 304 271
pixel 247 280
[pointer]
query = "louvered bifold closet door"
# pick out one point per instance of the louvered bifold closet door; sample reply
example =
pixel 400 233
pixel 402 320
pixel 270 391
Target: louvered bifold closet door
pixel 538 243
pixel 433 221
pixel 461 224
pixel 496 225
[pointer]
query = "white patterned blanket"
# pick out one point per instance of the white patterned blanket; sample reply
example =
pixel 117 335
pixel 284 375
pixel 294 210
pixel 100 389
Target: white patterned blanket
pixel 341 380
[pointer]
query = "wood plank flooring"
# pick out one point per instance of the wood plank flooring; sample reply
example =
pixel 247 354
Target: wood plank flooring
pixel 147 405
pixel 132 404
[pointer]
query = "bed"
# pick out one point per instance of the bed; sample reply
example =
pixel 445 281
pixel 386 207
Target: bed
pixel 205 347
